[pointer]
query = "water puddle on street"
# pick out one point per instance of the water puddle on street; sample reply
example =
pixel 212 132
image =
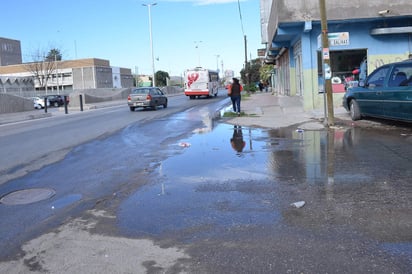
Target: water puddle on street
pixel 239 176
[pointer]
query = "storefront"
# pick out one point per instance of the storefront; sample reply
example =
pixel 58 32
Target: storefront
pixel 348 67
pixel 356 48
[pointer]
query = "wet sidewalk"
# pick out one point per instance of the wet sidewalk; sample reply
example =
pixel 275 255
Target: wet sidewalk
pixel 275 111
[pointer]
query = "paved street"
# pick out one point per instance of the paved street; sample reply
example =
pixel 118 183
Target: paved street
pixel 292 198
pixel 262 109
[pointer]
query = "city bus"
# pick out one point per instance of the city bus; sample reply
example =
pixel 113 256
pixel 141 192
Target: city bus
pixel 201 82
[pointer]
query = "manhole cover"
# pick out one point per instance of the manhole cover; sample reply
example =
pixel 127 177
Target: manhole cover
pixel 27 196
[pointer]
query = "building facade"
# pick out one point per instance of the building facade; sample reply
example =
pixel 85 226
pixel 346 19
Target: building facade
pixel 362 36
pixel 10 52
pixel 65 76
pixel 16 85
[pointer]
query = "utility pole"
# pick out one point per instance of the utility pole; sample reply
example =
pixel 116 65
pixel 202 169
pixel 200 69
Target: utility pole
pixel 245 39
pixel 246 63
pixel 327 71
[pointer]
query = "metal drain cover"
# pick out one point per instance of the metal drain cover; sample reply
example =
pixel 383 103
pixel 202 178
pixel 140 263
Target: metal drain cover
pixel 27 196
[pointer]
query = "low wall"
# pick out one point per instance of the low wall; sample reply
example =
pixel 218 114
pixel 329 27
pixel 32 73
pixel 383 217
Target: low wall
pixel 172 90
pixel 91 96
pixel 12 103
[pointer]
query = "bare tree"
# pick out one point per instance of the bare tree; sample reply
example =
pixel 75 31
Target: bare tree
pixel 43 65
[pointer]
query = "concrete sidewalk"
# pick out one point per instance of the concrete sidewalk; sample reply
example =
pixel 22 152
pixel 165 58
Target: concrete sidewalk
pixel 263 109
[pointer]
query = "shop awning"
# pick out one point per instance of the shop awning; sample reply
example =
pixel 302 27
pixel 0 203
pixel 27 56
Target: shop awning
pixel 395 30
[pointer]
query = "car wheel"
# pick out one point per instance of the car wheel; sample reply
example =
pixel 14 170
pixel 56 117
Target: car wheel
pixel 354 110
pixel 131 108
pixel 192 97
pixel 165 104
pixel 56 104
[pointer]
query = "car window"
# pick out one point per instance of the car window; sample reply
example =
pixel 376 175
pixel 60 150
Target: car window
pixel 157 92
pixel 401 76
pixel 378 77
pixel 141 91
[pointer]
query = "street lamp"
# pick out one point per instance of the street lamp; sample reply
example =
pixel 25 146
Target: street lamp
pixel 217 62
pixel 223 73
pixel 57 72
pixel 198 53
pixel 151 41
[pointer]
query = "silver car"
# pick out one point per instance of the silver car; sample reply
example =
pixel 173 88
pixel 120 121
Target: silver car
pixel 146 97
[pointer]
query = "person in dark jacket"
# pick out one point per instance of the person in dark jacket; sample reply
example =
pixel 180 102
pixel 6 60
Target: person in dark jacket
pixel 234 93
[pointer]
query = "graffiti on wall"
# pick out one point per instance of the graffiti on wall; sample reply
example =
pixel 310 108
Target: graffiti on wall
pixel 377 61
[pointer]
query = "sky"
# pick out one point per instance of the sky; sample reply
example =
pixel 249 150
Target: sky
pixel 185 33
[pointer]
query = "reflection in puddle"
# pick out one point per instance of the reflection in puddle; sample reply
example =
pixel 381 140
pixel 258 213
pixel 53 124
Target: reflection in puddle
pixel 240 176
pixel 237 142
pixel 228 176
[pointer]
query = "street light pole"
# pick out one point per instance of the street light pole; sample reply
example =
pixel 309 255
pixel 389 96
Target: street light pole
pixel 151 41
pixel 198 52
pixel 57 72
pixel 217 62
pixel 223 72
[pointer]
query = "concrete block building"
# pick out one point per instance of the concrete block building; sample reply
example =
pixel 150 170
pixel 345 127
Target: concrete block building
pixel 62 76
pixel 90 73
pixel 368 33
pixel 10 52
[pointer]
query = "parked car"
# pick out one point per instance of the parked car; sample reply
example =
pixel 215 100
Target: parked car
pixel 386 93
pixel 39 102
pixel 56 100
pixel 146 97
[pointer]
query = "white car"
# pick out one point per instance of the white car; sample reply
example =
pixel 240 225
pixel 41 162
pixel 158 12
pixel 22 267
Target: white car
pixel 39 102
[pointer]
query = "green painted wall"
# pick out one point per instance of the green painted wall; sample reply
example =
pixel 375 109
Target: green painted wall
pixel 292 74
pixel 375 61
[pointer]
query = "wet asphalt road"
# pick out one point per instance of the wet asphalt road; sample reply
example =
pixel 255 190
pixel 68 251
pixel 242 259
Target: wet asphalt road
pixel 223 195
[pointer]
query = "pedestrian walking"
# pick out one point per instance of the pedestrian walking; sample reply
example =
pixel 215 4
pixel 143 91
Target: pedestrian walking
pixel 234 92
pixel 260 86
